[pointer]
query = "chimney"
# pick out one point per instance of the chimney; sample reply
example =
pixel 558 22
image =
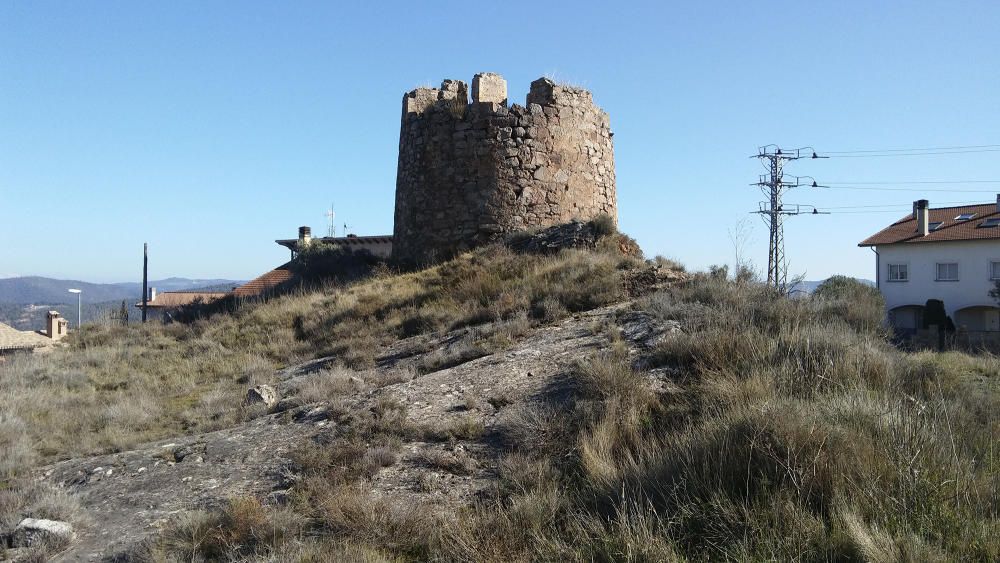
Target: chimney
pixel 305 236
pixel 998 202
pixel 921 211
pixel 152 294
pixel 55 326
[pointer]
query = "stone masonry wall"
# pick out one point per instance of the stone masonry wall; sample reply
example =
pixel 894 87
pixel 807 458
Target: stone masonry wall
pixel 470 172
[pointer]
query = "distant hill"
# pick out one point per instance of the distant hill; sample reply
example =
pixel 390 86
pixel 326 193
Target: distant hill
pixel 25 300
pixel 37 290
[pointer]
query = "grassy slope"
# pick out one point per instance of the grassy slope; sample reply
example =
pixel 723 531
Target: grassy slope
pixel 794 432
pixel 797 431
pixel 114 387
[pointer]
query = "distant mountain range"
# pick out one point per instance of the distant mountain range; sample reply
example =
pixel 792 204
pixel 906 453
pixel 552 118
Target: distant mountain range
pixel 37 290
pixel 25 300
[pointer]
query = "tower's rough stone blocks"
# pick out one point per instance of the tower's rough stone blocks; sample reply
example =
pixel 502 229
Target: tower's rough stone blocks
pixel 468 173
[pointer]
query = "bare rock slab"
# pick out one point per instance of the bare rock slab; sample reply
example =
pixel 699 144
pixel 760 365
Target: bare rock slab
pixel 35 531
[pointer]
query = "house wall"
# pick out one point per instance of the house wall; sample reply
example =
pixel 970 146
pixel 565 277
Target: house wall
pixel 971 289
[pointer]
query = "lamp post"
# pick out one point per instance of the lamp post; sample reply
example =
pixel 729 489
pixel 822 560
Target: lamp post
pixel 78 307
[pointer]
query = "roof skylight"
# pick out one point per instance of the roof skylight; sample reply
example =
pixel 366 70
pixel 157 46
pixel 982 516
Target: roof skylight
pixel 965 216
pixel 935 225
pixel 991 222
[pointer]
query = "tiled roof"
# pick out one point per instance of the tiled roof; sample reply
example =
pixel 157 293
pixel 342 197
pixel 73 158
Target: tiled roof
pixel 905 230
pixel 262 283
pixel 173 299
pixel 13 339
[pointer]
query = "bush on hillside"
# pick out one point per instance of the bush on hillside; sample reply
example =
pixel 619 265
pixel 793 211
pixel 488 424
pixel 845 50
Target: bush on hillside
pixel 324 262
pixel 844 287
pixel 604 225
pixel 859 304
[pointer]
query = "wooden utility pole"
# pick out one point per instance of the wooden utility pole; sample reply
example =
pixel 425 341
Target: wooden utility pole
pixel 145 278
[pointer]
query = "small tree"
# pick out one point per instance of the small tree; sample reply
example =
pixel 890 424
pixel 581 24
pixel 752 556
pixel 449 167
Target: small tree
pixel 995 292
pixel 935 314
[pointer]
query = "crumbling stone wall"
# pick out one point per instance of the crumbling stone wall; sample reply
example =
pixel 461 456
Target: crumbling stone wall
pixel 470 172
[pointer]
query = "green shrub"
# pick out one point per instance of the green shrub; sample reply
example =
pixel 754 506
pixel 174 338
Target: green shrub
pixel 325 262
pixel 604 225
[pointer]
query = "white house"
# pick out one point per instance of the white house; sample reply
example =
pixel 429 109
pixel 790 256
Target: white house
pixel 948 253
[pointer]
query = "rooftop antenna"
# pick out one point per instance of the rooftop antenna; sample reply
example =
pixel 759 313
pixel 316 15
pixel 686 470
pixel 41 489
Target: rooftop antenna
pixel 330 216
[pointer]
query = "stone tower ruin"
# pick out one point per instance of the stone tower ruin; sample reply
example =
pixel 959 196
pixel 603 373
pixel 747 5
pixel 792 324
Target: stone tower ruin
pixel 470 172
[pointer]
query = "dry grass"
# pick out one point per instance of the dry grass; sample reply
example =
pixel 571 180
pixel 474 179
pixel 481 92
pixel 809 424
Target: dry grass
pixel 800 435
pixel 115 387
pixel 798 432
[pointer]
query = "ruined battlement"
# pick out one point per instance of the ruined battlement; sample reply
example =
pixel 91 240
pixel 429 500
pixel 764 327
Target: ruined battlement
pixel 470 171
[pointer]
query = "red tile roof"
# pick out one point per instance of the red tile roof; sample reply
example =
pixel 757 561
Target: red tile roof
pixel 905 230
pixel 264 282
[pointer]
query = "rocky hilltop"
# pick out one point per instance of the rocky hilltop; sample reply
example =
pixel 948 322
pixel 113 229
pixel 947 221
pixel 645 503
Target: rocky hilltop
pixel 554 397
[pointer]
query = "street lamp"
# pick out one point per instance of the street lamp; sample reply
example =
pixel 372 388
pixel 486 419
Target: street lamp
pixel 78 307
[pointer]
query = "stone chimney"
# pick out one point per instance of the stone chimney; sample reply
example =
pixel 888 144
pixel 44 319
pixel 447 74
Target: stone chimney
pixel 305 236
pixel 55 326
pixel 921 212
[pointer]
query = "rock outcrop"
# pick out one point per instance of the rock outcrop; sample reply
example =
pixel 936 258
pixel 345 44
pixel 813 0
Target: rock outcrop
pixel 262 395
pixel 132 495
pixel 31 532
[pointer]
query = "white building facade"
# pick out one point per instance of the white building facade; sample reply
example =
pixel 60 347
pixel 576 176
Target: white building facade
pixel 949 254
pixel 959 273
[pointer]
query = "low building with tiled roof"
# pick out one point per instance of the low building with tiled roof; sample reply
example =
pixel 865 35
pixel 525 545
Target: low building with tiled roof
pixel 379 246
pixel 13 340
pixel 176 299
pixel 162 305
pixel 947 253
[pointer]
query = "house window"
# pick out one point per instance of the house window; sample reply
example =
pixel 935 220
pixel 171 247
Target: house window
pixel 947 271
pixel 995 270
pixel 898 272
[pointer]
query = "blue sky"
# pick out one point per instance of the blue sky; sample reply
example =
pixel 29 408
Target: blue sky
pixel 209 129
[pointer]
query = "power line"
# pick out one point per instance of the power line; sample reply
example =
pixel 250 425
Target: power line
pixel 869 188
pixel 852 182
pixel 897 205
pixel 896 211
pixel 882 155
pixel 958 147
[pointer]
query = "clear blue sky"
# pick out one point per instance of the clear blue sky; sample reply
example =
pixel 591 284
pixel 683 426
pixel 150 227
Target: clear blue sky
pixel 209 129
